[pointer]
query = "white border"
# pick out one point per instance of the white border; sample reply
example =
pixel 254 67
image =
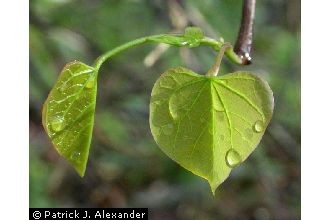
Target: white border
pixel 14 96
pixel 315 109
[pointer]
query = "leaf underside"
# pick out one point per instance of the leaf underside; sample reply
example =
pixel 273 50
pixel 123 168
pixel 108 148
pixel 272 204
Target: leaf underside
pixel 205 123
pixel 68 113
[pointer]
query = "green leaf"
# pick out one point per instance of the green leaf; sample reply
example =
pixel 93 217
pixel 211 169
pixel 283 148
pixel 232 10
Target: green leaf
pixel 207 124
pixel 192 37
pixel 68 113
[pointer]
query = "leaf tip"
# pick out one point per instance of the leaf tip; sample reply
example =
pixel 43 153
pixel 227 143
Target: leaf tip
pixel 80 169
pixel 213 191
pixel 81 173
pixel 214 187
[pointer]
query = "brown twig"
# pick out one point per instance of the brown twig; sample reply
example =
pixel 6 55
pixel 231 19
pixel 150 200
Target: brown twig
pixel 244 40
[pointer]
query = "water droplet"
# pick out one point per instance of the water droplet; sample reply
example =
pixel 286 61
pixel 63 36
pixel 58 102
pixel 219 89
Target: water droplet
pixel 233 158
pixel 168 129
pixel 173 110
pixel 177 104
pixel 57 124
pixel 75 155
pixel 90 83
pixel 182 99
pixel 258 126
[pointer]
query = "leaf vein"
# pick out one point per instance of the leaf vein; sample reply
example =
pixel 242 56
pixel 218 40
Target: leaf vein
pixel 196 141
pixel 244 98
pixel 195 100
pixel 227 116
pixel 243 136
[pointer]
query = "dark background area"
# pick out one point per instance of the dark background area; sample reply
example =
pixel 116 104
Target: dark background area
pixel 126 168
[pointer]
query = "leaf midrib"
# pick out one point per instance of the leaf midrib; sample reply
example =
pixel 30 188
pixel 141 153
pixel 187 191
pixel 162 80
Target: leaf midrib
pixel 76 96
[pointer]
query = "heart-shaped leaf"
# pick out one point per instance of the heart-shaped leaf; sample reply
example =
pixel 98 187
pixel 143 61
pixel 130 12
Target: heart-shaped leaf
pixel 209 124
pixel 68 113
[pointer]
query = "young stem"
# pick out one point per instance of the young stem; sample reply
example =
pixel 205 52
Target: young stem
pixel 206 41
pixel 216 66
pixel 101 59
pixel 217 45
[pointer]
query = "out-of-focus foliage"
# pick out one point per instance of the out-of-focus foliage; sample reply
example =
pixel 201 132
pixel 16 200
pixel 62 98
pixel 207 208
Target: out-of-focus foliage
pixel 126 168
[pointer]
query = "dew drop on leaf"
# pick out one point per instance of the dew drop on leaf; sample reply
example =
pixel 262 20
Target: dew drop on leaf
pixel 174 109
pixel 258 126
pixel 57 124
pixel 233 158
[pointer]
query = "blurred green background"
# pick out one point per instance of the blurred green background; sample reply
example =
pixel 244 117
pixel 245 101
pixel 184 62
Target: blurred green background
pixel 126 168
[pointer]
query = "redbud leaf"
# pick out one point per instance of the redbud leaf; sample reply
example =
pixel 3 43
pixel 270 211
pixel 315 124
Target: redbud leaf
pixel 68 113
pixel 209 124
